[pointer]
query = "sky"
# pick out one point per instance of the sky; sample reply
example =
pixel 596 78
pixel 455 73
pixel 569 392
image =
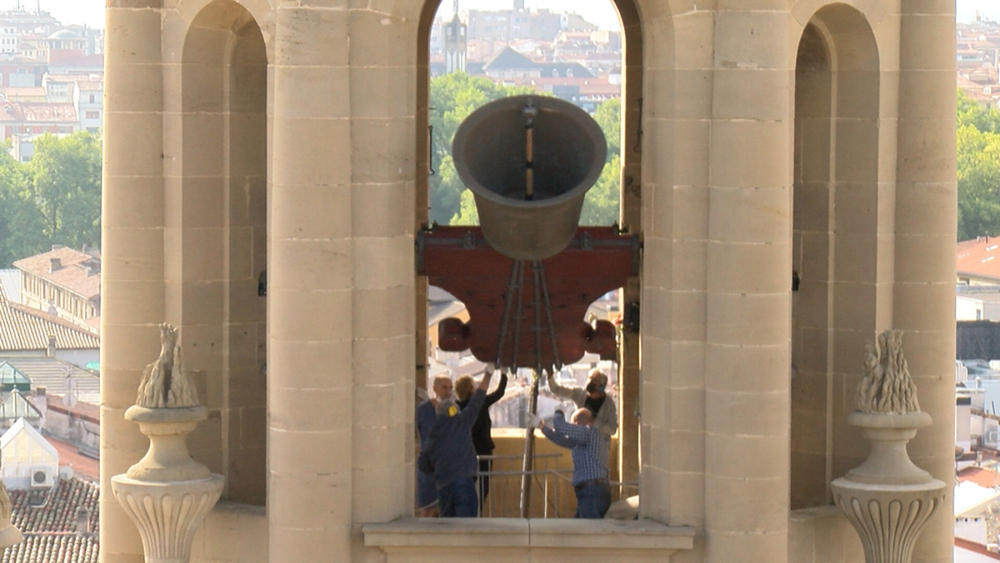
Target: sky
pixel 600 12
pixel 966 9
pixel 81 12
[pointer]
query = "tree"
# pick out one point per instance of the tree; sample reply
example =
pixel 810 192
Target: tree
pixel 66 176
pixel 971 113
pixel 601 206
pixel 452 98
pixel 53 199
pixel 609 116
pixel 22 224
pixel 978 183
pixel 978 169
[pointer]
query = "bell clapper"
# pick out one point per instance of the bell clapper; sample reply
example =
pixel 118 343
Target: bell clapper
pixel 529 113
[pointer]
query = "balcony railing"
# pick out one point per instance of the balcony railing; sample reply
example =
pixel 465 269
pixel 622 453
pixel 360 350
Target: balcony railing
pixel 552 493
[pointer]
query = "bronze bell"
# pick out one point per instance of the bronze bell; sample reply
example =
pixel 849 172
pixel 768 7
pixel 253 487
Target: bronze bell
pixel 529 161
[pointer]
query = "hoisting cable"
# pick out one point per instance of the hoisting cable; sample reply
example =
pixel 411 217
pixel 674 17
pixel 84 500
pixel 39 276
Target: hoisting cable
pixel 507 307
pixel 527 464
pixel 557 362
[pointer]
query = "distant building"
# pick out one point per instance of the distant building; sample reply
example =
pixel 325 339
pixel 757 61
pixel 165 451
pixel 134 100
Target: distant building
pixel 64 282
pixel 23 122
pixel 21 72
pixel 512 25
pixel 455 46
pixel 977 53
pixel 25 331
pixel 56 512
pixel 29 460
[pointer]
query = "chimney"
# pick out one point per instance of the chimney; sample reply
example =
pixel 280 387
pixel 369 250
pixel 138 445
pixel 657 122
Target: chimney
pixel 41 399
pixel 50 351
pixel 83 522
pixel 54 264
pixel 41 402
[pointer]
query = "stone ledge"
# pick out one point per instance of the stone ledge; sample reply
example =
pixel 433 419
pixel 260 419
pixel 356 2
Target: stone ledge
pixel 517 533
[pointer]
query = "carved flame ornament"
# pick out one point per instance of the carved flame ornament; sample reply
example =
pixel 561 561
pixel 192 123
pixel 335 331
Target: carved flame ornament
pixel 167 494
pixel 887 498
pixel 887 387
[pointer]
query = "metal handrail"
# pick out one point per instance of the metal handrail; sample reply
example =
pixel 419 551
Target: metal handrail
pixel 503 499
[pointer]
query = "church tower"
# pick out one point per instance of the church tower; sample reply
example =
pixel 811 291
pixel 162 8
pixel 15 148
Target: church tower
pixel 454 44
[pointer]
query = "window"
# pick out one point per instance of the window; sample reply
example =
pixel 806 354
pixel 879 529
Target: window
pixel 92 115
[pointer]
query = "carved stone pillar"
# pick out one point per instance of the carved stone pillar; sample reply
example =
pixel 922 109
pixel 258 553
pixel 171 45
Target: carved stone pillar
pixel 167 494
pixel 887 498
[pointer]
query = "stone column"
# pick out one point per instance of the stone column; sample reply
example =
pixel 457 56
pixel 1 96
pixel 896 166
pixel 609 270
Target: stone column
pixel 748 279
pixel 132 273
pixel 924 294
pixel 676 122
pixel 630 220
pixel 310 295
pixel 383 163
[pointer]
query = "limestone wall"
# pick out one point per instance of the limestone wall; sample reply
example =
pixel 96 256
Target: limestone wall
pixel 253 135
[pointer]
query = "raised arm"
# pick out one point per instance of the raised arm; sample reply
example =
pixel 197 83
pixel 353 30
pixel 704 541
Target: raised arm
pixel 574 394
pixel 471 410
pixel 574 432
pixel 556 437
pixel 500 390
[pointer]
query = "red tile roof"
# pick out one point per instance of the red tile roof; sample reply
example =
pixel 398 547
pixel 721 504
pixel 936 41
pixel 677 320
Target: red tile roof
pixel 23 329
pixel 979 257
pixel 982 477
pixel 84 467
pixel 49 531
pixel 48 112
pixel 72 273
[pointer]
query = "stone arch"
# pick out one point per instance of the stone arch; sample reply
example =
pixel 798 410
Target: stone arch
pixel 215 183
pixel 841 241
pixel 632 147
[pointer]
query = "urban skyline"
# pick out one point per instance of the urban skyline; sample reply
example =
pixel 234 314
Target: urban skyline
pixel 68 12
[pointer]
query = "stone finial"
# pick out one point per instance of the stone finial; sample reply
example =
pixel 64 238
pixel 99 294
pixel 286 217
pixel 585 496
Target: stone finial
pixel 9 535
pixel 164 382
pixel 5 508
pixel 887 387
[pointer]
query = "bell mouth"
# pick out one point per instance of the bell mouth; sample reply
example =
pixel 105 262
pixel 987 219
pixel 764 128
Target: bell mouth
pixel 568 151
pixel 567 156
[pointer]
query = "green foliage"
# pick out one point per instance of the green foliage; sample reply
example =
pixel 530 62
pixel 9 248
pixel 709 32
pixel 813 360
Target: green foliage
pixel 600 207
pixel 978 183
pixel 452 98
pixel 468 214
pixel 971 113
pixel 55 198
pixel 609 117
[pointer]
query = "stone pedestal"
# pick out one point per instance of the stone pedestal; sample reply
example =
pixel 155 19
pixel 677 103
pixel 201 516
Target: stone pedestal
pixel 167 494
pixel 887 498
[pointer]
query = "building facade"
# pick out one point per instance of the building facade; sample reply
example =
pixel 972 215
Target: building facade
pixel 761 141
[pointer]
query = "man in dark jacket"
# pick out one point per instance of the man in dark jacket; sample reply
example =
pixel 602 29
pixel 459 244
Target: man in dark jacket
pixel 450 455
pixel 482 430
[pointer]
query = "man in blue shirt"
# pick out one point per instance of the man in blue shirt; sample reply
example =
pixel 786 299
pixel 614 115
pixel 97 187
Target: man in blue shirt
pixel 449 454
pixel 589 447
pixel 427 498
